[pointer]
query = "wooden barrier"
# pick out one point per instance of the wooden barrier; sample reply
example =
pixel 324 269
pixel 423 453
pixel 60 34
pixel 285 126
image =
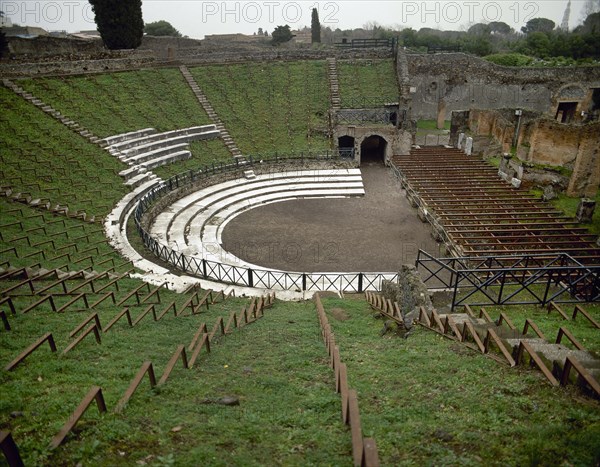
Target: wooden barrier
pixel 146 368
pixel 95 394
pixel 39 302
pixel 5 322
pixel 218 325
pixel 205 342
pixel 180 351
pixel 10 450
pixel 565 332
pixel 364 450
pixel 144 313
pixel 571 363
pixel 94 317
pixel 554 306
pixel 46 337
pixel 532 325
pixel 83 335
pixel 525 347
pixel 124 312
pixel 579 309
pixel 201 330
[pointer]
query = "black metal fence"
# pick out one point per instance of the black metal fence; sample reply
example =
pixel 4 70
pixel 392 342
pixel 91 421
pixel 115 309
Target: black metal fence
pixel 350 282
pixel 367 43
pixel 369 102
pixel 511 280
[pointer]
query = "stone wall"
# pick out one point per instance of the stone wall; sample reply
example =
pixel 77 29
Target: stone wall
pixel 543 141
pixel 398 141
pixel 63 67
pixel 586 172
pixel 170 52
pixel 59 48
pixel 463 81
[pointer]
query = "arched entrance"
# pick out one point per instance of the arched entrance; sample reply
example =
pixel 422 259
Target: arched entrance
pixel 346 146
pixel 372 150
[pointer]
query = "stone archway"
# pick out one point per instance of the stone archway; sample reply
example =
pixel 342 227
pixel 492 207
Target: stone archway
pixel 346 146
pixel 373 150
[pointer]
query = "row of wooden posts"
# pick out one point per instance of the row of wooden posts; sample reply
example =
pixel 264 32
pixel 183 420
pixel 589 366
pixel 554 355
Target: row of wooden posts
pixel 449 329
pixel 201 339
pixel 364 450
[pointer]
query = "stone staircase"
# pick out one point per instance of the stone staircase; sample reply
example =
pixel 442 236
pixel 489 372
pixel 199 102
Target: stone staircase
pixel 550 357
pixel 212 114
pixel 69 123
pixel 334 87
pixel 479 332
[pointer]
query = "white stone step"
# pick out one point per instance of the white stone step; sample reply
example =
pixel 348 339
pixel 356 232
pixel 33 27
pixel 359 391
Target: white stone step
pixel 155 154
pixel 167 159
pixel 143 142
pixel 110 140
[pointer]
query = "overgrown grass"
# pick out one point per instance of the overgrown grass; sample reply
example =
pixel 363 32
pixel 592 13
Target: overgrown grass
pixel 430 401
pixel 44 159
pixel 30 237
pixel 550 322
pixel 431 125
pixel 569 205
pixel 204 153
pixel 564 203
pixel 366 80
pixel 270 107
pixel 288 410
pixel 108 104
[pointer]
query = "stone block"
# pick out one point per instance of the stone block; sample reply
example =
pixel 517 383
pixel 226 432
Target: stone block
pixel 469 146
pixel 585 210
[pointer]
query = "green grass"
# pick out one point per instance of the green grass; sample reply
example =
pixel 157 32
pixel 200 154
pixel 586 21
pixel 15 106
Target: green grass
pixel 203 153
pixel 43 158
pixel 270 107
pixel 549 323
pixel 431 125
pixel 31 237
pixel 109 104
pixel 569 205
pixel 289 412
pixel 367 79
pixel 564 203
pixel 426 400
pixel 430 401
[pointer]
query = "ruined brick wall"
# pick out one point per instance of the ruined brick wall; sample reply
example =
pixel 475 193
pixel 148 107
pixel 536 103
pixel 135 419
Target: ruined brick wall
pixel 464 82
pixel 544 141
pixel 586 172
pixel 156 55
pixel 552 143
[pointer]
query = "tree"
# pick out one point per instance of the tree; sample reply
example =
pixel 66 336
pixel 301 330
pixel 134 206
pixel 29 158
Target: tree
pixel 281 34
pixel 591 25
pixel 538 25
pixel 315 27
pixel 499 27
pixel 161 28
pixel 589 7
pixel 538 44
pixel 119 22
pixel 479 29
pixel 3 44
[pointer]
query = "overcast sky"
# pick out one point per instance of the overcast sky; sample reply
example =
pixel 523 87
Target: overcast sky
pixel 196 18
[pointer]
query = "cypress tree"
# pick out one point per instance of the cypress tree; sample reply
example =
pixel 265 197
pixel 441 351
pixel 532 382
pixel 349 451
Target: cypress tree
pixel 315 27
pixel 119 22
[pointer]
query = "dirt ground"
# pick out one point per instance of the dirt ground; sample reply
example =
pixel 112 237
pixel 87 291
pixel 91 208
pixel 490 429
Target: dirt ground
pixel 376 233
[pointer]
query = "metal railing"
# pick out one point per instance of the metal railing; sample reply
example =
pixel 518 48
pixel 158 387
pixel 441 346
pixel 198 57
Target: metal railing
pixel 367 43
pixel 368 102
pixel 349 282
pixel 512 280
